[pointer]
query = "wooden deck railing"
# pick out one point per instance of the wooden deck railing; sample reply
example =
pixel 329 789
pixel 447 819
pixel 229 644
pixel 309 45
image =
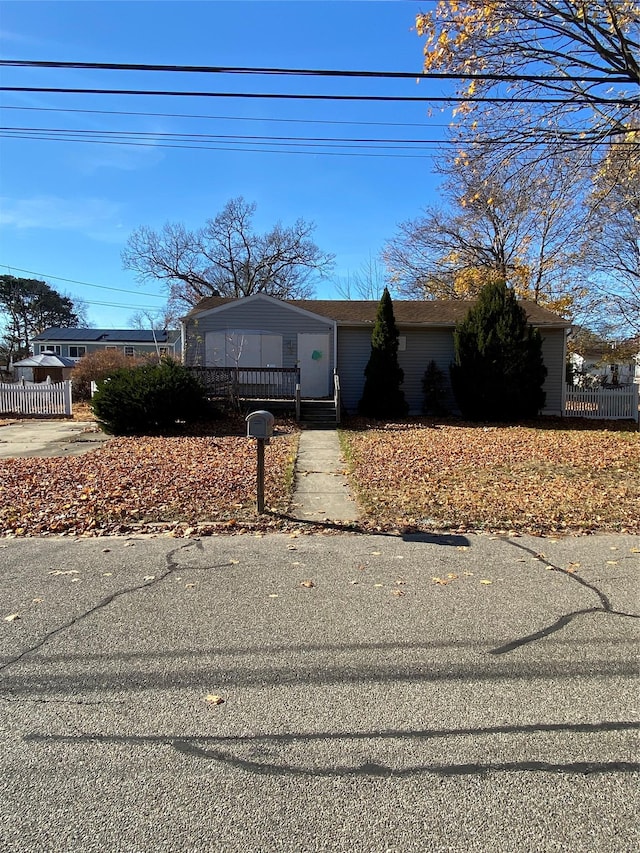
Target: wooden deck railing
pixel 258 383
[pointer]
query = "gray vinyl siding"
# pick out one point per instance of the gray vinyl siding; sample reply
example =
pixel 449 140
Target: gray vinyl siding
pixel 354 348
pixel 263 316
pixel 422 345
pixel 553 352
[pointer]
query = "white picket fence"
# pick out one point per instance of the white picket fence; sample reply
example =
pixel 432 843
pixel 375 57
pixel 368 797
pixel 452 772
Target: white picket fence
pixel 37 399
pixel 605 403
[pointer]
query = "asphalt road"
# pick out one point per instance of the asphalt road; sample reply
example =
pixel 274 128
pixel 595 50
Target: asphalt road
pixel 373 709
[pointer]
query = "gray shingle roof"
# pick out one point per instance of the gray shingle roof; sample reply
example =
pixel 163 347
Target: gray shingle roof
pixel 427 312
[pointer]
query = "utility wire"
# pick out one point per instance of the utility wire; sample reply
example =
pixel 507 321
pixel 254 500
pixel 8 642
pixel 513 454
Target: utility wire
pixel 308 97
pixel 309 141
pixel 316 72
pixel 229 147
pixel 262 119
pixel 353 151
pixel 74 281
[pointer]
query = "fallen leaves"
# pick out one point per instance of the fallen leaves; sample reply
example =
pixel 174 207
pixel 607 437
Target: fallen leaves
pixel 12 617
pixel 507 478
pixel 214 699
pixel 150 482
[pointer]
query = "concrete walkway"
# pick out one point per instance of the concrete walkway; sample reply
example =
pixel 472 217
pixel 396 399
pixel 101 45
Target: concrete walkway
pixel 321 491
pixel 49 438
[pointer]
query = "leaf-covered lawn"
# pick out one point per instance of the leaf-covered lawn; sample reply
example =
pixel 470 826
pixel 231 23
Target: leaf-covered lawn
pixel 148 483
pixel 535 479
pixel 414 475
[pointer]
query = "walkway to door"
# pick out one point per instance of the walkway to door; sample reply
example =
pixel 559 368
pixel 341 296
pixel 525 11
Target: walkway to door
pixel 321 491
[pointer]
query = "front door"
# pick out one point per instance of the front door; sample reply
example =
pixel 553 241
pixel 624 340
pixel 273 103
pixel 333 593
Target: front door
pixel 314 360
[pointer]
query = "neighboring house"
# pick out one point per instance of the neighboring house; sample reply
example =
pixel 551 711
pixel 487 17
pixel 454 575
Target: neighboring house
pixel 43 367
pixel 320 336
pixel 74 343
pixel 601 363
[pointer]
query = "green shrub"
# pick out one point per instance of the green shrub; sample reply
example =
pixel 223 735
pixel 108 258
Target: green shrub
pixel 382 396
pixel 434 388
pixel 148 398
pixel 498 371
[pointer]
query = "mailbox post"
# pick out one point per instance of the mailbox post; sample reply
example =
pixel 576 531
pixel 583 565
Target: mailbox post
pixel 260 427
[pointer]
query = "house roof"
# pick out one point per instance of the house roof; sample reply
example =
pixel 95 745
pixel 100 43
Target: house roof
pixel 423 312
pixel 45 360
pixel 104 336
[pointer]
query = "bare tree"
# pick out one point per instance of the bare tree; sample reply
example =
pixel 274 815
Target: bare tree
pixel 513 227
pixel 226 257
pixel 368 282
pixel 613 243
pixel 155 322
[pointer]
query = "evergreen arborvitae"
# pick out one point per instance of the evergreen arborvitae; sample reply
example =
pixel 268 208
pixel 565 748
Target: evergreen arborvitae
pixel 498 370
pixel 381 396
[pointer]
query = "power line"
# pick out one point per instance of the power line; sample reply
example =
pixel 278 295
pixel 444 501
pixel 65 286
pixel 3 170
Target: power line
pixel 195 147
pixel 262 119
pixel 355 151
pixel 316 72
pixel 315 97
pixel 154 137
pixel 74 281
pixel 225 137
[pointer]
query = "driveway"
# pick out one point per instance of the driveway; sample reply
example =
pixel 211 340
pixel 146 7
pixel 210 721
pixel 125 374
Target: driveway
pixel 49 438
pixel 319 693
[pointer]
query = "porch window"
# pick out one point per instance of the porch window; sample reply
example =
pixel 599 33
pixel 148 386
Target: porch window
pixel 243 349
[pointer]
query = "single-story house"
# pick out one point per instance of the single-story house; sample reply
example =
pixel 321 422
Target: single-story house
pixel 43 367
pixel 322 336
pixel 74 343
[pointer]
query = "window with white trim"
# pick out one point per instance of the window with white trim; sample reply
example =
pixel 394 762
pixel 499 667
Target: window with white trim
pixel 53 348
pixel 77 352
pixel 130 351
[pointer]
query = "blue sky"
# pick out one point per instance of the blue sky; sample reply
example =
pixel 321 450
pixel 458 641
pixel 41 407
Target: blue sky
pixel 67 208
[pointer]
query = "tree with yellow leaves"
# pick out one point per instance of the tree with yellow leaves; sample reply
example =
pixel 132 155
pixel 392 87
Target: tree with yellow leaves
pixel 538 72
